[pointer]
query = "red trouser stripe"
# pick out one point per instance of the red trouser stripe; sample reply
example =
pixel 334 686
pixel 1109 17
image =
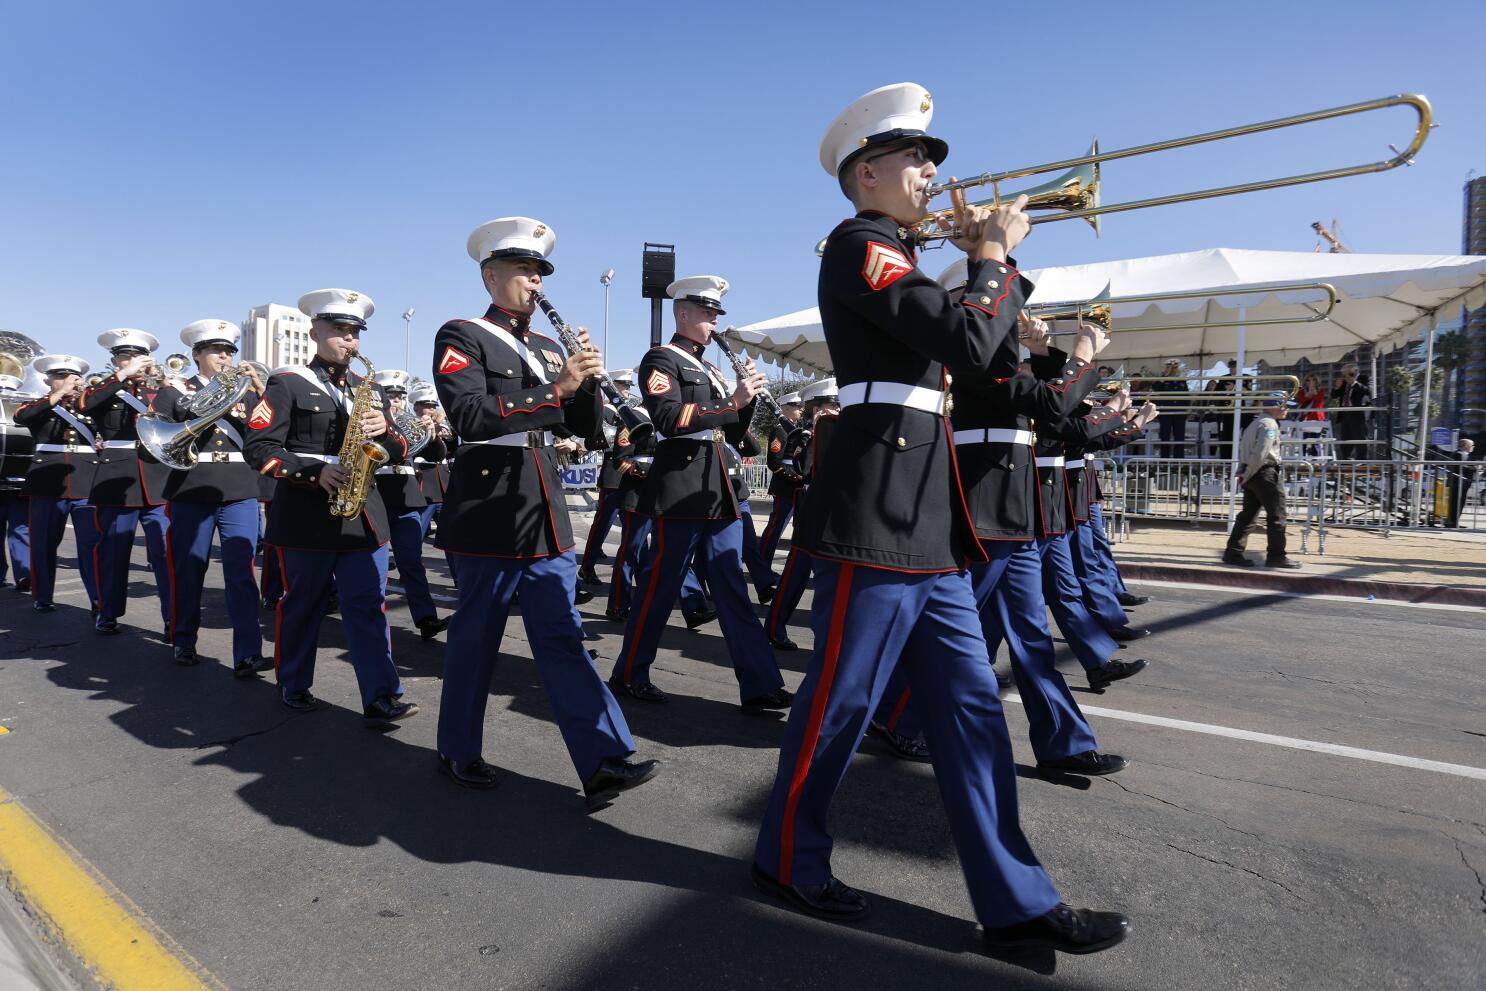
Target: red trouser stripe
pixel 617 578
pixel 892 721
pixel 812 727
pixel 278 620
pixel 656 564
pixel 777 607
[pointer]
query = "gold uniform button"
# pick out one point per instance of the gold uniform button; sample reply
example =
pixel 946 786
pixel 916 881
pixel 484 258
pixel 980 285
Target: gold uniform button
pixel 510 371
pixel 994 284
pixel 510 405
pixel 688 457
pixel 1001 270
pixel 985 299
pixel 1011 467
pixel 484 471
pixel 902 442
pixel 528 399
pixel 549 395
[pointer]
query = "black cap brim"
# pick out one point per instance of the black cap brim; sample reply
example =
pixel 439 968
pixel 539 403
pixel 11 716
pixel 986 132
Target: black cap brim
pixel 937 148
pixel 545 266
pixel 343 319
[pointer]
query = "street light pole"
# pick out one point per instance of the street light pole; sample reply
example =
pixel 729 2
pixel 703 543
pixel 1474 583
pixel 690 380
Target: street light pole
pixel 407 340
pixel 607 279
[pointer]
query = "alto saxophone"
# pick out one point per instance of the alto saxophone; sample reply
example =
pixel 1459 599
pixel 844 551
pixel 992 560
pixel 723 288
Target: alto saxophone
pixel 360 455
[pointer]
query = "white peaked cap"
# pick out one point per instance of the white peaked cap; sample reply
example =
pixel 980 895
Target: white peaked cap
pixel 793 399
pixel 127 337
pixel 392 378
pixel 49 363
pixel 881 117
pixel 423 392
pixel 193 335
pixel 824 389
pixel 707 290
pixel 10 382
pixel 339 305
pixel 625 375
pixel 513 237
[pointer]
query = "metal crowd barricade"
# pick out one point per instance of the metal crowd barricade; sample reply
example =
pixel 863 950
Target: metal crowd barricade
pixel 1197 490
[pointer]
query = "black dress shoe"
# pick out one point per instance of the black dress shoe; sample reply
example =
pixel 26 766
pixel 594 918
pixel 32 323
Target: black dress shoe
pixel 302 701
pixel 1101 677
pixel 1072 930
pixel 389 710
pixel 1091 763
pixel 1281 562
pixel 186 657
pixel 587 577
pixel 614 776
pixel 1130 599
pixel 832 900
pixel 766 595
pixel 616 615
pixel 250 667
pixel 4 583
pixel 23 586
pixel 1003 679
pixel 432 627
pixel 696 619
pixel 105 626
pixel 1237 558
pixel 333 604
pixel 474 774
pixel 43 607
pixel 270 603
pixel 783 643
pixel 1124 634
pixel 581 595
pixel 906 747
pixel 779 698
pixel 644 693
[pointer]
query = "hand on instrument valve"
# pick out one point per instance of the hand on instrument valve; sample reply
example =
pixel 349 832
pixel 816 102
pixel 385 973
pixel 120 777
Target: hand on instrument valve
pixel 1119 402
pixel 580 367
pixel 69 387
pixel 749 385
pixel 1092 339
pixel 373 423
pixel 332 477
pixel 1147 413
pixel 258 384
pixel 1033 332
pixel 136 367
pixel 989 233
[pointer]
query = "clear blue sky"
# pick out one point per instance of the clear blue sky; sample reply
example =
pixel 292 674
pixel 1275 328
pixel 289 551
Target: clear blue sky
pixel 166 162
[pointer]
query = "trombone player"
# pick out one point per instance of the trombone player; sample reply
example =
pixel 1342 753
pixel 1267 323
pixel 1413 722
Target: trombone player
pixel 219 495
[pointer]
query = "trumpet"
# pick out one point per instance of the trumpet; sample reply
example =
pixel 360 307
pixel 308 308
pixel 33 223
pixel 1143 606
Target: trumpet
pixel 1100 309
pixel 1075 193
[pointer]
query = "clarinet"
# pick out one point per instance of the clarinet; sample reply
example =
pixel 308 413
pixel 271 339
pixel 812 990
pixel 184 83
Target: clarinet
pixel 635 419
pixel 765 397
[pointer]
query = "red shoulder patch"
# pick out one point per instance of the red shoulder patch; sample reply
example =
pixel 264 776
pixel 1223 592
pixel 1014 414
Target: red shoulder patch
pixel 658 383
pixel 884 265
pixel 262 417
pixel 452 361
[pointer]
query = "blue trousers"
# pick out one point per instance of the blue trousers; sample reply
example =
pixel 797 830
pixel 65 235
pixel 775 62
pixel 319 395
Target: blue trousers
pixel 1099 593
pixel 792 582
pixel 1104 551
pixel 1088 637
pixel 116 526
pixel 589 719
pixel 361 578
pixel 603 521
pixel 635 550
pixel 779 516
pixel 407 548
pixel 760 569
pixel 15 512
pixel 867 623
pixel 718 543
pixel 1008 593
pixel 48 521
pixel 192 525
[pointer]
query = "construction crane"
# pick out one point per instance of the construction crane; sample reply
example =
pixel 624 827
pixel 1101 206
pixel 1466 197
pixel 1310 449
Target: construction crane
pixel 1337 247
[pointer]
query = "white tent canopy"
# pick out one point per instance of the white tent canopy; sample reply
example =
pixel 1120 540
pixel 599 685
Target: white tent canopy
pixel 1383 299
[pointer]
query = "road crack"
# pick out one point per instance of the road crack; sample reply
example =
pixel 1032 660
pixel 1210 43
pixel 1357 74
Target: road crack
pixel 229 742
pixel 1480 882
pixel 1174 805
pixel 1223 863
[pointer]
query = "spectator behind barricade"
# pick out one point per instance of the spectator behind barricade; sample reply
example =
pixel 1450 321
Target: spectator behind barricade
pixel 1460 474
pixel 1310 413
pixel 1174 418
pixel 1259 476
pixel 1220 408
pixel 1348 422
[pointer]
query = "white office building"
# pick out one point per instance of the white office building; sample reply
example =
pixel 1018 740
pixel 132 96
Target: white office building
pixel 276 335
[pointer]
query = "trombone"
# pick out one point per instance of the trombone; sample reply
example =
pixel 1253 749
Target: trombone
pixel 1075 194
pixel 1202 400
pixel 1100 309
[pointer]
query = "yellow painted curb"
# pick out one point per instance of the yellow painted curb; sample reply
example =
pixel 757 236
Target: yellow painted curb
pixel 101 927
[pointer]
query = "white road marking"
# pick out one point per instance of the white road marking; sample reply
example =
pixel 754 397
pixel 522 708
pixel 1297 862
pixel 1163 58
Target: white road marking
pixel 1335 749
pixel 1353 599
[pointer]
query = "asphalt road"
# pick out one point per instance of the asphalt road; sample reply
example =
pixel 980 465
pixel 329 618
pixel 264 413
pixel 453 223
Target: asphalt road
pixel 287 851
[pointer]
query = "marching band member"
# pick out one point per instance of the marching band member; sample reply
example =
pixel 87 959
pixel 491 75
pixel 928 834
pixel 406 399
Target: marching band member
pixel 1104 591
pixel 505 522
pixel 128 490
pixel 801 451
pixel 784 476
pixel 402 494
pixel 15 505
pixel 890 536
pixel 433 476
pixel 60 478
pixel 691 499
pixel 219 494
pixel 295 436
pixel 610 476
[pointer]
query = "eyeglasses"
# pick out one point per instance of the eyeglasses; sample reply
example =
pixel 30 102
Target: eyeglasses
pixel 917 154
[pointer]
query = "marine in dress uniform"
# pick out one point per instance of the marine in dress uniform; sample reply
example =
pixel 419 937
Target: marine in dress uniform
pixel 890 535
pixel 506 388
pixel 295 436
pixel 785 477
pixel 433 476
pixel 218 496
pixel 615 453
pixel 1097 575
pixel 692 500
pixel 407 510
pixel 59 478
pixel 15 505
pixel 128 487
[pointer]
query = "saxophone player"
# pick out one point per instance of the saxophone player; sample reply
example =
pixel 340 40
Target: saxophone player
pixel 504 520
pixel 218 496
pixel 407 507
pixel 295 435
